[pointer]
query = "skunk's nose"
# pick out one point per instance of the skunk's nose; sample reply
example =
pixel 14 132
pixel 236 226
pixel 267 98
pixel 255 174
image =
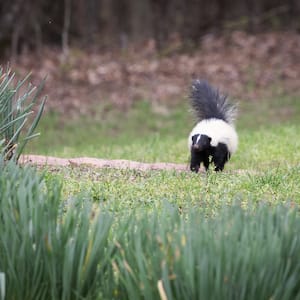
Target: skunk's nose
pixel 196 147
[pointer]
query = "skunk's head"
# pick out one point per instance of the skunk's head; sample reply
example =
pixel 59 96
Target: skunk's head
pixel 200 142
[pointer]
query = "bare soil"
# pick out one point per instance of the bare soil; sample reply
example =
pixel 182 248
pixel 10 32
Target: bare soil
pixel 51 161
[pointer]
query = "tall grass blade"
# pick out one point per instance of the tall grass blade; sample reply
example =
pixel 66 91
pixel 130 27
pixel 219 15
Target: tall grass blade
pixel 2 285
pixel 29 134
pixel 14 109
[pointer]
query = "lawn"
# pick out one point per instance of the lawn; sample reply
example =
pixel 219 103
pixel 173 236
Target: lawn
pixel 265 167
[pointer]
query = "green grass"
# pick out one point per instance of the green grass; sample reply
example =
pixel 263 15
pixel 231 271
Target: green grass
pixel 126 189
pixel 145 133
pixel 139 134
pixel 265 167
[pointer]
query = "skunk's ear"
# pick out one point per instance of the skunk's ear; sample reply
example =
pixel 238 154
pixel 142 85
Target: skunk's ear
pixel 209 139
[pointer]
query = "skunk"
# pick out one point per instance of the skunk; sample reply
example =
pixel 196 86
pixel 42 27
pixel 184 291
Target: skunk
pixel 214 136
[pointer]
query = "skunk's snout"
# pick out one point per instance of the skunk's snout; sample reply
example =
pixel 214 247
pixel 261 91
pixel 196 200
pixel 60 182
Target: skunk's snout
pixel 196 147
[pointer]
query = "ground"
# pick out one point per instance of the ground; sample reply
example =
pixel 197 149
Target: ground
pixel 247 67
pixel 41 160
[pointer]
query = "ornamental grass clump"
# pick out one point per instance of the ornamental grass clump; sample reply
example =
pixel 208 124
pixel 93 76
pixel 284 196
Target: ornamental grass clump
pixel 49 250
pixel 19 116
pixel 235 255
pixel 55 248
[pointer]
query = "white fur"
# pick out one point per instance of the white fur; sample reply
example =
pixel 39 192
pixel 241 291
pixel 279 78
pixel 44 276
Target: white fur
pixel 219 131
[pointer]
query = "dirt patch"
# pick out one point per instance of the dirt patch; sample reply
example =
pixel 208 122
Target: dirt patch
pixel 51 161
pixel 40 160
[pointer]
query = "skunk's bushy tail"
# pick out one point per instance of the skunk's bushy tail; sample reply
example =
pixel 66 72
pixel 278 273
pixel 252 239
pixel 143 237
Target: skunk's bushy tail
pixel 207 103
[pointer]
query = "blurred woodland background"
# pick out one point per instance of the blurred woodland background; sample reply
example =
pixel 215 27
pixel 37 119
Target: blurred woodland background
pixel 126 50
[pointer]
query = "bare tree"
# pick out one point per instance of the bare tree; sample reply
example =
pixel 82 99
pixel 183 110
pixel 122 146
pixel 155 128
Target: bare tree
pixel 26 24
pixel 66 28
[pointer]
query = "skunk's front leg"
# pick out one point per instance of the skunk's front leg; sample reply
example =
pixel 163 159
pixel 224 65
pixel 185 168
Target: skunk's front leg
pixel 195 161
pixel 220 156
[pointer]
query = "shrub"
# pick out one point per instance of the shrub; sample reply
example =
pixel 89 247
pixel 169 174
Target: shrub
pixel 17 103
pixel 235 255
pixel 47 250
pixel 51 248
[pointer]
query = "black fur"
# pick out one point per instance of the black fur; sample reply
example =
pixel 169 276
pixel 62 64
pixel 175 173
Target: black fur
pixel 208 103
pixel 202 152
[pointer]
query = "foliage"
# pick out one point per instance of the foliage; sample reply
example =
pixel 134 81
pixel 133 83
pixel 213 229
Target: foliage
pixel 55 248
pixel 49 250
pixel 235 255
pixel 125 21
pixel 17 103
